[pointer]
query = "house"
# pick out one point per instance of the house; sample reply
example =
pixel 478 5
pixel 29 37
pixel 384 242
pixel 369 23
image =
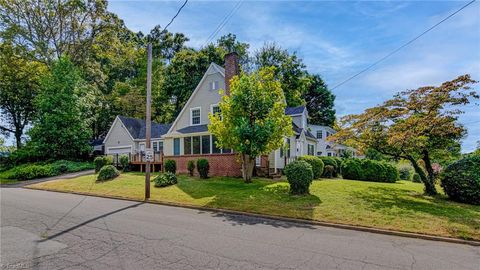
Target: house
pixel 188 138
pixel 326 148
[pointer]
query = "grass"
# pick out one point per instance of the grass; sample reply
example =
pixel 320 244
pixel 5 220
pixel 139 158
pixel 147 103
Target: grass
pixel 395 206
pixel 8 181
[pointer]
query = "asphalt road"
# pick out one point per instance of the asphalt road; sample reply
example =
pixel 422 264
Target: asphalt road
pixel 47 230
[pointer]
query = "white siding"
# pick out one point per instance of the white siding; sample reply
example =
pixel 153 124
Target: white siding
pixel 118 137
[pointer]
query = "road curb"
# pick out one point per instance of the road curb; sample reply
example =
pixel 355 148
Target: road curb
pixel 285 219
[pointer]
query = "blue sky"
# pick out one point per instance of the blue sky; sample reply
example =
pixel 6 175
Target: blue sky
pixel 337 39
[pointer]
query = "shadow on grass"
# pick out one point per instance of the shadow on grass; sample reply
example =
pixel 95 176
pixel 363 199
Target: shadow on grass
pixel 383 199
pixel 261 197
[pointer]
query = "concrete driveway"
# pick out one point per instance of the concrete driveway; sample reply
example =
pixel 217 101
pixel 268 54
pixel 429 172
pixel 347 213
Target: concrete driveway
pixel 47 230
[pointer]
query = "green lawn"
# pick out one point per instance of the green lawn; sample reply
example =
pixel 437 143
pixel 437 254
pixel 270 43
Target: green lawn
pixel 399 206
pixel 8 181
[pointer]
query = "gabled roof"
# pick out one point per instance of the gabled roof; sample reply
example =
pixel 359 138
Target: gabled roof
pixel 294 110
pixel 212 69
pixel 137 127
pixel 298 131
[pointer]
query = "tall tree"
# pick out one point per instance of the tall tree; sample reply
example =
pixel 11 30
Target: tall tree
pixel 413 125
pixel 289 70
pixel 166 44
pixel 59 131
pixel 320 102
pixel 19 84
pixel 253 120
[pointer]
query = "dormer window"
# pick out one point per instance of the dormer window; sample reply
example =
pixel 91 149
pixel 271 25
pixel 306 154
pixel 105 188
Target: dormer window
pixel 195 114
pixel 319 134
pixel 214 85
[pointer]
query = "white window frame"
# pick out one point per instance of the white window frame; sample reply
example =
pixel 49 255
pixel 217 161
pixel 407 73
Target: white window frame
pixel 191 116
pixel 211 109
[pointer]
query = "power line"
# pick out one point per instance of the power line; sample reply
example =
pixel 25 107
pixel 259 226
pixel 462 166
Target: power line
pixel 223 22
pixel 403 46
pixel 173 18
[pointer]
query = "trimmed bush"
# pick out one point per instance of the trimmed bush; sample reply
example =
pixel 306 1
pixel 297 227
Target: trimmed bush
pixel 101 161
pixel 338 168
pixel 369 170
pixel 316 163
pixel 352 169
pixel 191 167
pixel 329 171
pixel 461 180
pixel 416 178
pixel 124 162
pixel 299 175
pixel 203 167
pixel 165 179
pixel 404 173
pixel 330 161
pixel 170 166
pixel 107 172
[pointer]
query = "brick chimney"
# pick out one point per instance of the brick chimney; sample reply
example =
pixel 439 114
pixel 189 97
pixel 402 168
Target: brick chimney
pixel 232 68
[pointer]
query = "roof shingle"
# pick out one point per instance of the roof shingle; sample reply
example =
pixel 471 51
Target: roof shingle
pixel 137 127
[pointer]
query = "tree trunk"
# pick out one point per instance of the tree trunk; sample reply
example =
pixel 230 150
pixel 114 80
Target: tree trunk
pixel 431 173
pixel 247 168
pixel 18 137
pixel 429 186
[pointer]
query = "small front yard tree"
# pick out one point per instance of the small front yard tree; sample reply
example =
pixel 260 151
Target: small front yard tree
pixel 414 125
pixel 252 120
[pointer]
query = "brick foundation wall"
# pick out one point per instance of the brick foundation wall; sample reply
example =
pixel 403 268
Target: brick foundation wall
pixel 220 164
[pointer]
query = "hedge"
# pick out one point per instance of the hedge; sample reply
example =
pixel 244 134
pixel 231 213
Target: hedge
pixel 316 163
pixel 369 170
pixel 203 167
pixel 461 180
pixel 170 166
pixel 43 169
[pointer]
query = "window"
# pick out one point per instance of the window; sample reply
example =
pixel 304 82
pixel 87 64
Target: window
pixel 329 154
pixel 206 144
pixel 319 134
pixel 176 146
pixel 215 149
pixel 195 116
pixel 214 85
pixel 328 134
pixel 160 146
pixel 311 149
pixel 155 145
pixel 215 109
pixel 319 153
pixel 226 151
pixel 196 145
pixel 187 145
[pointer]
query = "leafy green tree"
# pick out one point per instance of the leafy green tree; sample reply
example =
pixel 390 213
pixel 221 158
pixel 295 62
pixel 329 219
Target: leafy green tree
pixel 414 125
pixel 320 102
pixel 59 131
pixel 289 70
pixel 19 84
pixel 253 120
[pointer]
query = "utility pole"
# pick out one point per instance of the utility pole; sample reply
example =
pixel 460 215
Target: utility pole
pixel 148 130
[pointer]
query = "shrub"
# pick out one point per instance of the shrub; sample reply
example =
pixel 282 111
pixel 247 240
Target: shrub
pixel 329 171
pixel 299 175
pixel 170 166
pixel 338 168
pixel 124 162
pixel 352 169
pixel 43 169
pixel 316 163
pixel 330 161
pixel 99 163
pixel 461 180
pixel 166 179
pixel 416 178
pixel 191 167
pixel 369 170
pixel 404 173
pixel 107 172
pixel 203 167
